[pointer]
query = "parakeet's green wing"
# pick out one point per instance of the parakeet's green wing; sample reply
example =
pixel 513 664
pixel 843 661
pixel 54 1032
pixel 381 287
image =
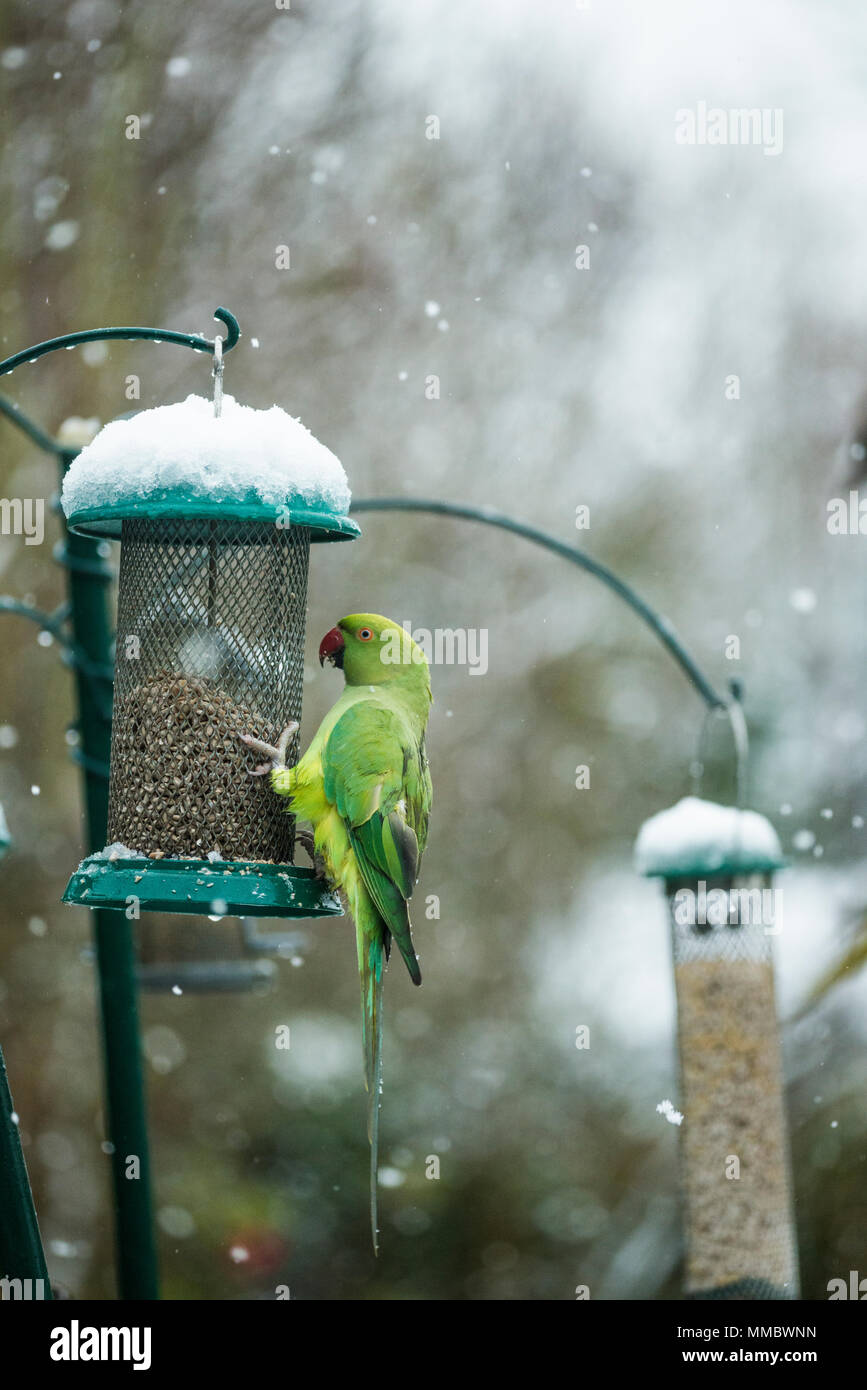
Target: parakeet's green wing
pixel 376 774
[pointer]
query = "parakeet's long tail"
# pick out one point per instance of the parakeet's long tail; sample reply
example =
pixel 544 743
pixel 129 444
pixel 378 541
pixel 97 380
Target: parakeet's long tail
pixel 371 959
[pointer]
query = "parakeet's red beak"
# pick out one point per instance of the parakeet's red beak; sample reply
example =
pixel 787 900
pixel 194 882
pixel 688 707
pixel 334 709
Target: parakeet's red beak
pixel 332 646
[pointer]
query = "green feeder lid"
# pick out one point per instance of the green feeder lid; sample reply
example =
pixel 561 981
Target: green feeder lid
pixel 700 839
pixel 202 887
pixel 184 461
pixel 107 521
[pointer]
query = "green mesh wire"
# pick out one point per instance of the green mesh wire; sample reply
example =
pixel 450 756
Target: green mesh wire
pixel 210 644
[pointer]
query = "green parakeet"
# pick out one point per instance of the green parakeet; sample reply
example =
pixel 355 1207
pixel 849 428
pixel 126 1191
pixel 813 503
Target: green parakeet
pixel 364 785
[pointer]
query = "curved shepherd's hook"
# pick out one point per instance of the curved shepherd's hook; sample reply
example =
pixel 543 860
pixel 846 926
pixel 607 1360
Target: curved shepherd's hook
pixel 658 625
pixel 156 335
pixel 716 703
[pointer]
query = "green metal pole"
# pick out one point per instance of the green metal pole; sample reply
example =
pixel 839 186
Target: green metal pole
pixel 90 654
pixel 21 1256
pixel 126 1117
pixel 137 1275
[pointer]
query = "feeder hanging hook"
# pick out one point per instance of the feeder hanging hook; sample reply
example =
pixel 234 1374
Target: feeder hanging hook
pixel 156 335
pixel 217 374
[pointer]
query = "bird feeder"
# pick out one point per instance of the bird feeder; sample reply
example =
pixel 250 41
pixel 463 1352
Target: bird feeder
pixel 215 513
pixel 717 864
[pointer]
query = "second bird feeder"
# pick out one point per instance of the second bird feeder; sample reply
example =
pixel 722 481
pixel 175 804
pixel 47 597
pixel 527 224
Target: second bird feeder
pixel 215 515
pixel 717 864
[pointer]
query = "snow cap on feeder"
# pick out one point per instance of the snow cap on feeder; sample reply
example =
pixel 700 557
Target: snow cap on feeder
pixel 701 839
pixel 216 505
pixel 183 460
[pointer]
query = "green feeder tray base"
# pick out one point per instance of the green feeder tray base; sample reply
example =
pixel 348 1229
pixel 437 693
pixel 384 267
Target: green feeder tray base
pixel 203 888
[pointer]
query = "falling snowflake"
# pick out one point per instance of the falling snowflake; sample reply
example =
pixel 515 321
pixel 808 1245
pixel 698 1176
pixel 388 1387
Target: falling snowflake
pixel 803 600
pixel 673 1116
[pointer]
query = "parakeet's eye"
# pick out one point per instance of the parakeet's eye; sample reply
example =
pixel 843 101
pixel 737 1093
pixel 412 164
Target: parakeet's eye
pixel 364 634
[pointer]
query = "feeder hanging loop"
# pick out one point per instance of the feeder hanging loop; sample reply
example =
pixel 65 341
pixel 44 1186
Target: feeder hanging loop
pixel 732 712
pixel 740 737
pixel 217 374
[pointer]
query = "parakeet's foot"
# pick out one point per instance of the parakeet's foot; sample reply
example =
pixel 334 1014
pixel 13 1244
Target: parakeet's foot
pixel 305 839
pixel 276 756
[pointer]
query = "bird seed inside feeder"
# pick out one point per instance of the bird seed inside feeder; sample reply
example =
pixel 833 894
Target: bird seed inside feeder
pixel 180 786
pixel 734 1143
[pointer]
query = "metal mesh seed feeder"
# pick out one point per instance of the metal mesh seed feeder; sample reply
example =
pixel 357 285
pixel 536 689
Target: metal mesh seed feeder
pixel 215 514
pixel 717 864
